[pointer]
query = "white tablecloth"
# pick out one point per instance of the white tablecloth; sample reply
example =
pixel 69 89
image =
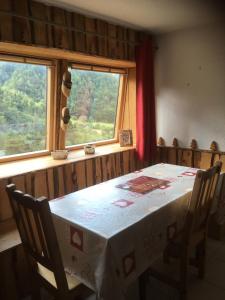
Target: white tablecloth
pixel 111 232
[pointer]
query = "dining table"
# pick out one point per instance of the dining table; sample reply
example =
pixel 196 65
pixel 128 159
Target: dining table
pixel 110 233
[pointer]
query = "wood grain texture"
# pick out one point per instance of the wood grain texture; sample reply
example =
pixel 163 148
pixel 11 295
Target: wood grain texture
pixel 185 157
pixel 31 22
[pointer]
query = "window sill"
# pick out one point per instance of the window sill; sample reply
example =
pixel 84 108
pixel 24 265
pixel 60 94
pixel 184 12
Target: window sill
pixel 35 164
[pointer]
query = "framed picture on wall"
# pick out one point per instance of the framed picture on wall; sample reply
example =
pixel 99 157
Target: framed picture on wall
pixel 125 137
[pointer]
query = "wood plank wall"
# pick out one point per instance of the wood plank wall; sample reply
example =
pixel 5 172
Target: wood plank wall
pixel 194 158
pixel 33 23
pixel 61 180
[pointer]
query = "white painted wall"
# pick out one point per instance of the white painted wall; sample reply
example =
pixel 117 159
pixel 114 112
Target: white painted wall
pixel 190 86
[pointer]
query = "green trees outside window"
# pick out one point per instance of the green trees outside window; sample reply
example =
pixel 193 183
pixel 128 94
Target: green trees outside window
pixel 93 106
pixel 23 107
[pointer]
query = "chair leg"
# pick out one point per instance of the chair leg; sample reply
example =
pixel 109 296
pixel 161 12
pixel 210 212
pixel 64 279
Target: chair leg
pixel 183 274
pixel 35 293
pixel 142 286
pixel 201 258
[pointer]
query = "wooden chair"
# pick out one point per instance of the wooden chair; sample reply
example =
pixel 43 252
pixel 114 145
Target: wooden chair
pixel 35 225
pixel 194 233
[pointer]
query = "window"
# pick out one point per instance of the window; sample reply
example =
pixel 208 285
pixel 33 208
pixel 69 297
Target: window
pixel 23 106
pixel 93 104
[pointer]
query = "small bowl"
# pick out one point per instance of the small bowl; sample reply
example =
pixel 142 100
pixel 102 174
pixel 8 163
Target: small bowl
pixel 89 149
pixel 59 154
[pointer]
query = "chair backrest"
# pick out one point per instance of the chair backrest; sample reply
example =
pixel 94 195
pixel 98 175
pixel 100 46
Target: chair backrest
pixel 37 232
pixel 202 198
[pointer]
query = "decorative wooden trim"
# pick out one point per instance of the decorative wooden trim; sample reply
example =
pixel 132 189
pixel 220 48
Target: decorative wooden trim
pixel 161 142
pixel 214 146
pixel 194 144
pixel 175 143
pixel 192 157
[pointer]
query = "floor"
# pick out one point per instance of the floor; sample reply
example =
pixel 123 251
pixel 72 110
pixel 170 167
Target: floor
pixel 211 288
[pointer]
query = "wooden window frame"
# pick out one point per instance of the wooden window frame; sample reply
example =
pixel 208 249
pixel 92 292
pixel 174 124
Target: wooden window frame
pixel 31 54
pixel 49 105
pixel 120 101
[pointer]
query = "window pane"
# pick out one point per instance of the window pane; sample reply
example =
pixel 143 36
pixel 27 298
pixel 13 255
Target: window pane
pixel 23 108
pixel 93 106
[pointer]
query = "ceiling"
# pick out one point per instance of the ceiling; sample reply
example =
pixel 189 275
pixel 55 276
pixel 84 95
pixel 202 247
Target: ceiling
pixel 156 16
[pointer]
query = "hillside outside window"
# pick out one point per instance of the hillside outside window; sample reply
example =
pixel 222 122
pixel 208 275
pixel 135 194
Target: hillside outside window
pixel 23 106
pixel 94 104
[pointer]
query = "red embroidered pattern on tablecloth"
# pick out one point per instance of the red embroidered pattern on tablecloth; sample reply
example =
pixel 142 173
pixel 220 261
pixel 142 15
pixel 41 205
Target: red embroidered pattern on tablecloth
pixel 76 238
pixel 123 203
pixel 144 184
pixel 129 264
pixel 190 172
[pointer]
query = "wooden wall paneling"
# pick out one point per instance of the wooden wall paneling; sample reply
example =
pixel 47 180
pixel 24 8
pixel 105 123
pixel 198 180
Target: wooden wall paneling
pixel 112 165
pixel 104 168
pixel 81 174
pixel 91 38
pixel 197 158
pixel 21 25
pixel 40 184
pixel 61 181
pixel 6 25
pixel 164 155
pixel 79 36
pixel 158 155
pixel 30 22
pixel 132 161
pixel 131 35
pixel 60 33
pixel 55 182
pixel 172 155
pixel 121 37
pixel 74 178
pixel 70 31
pixel 206 160
pixel 185 157
pixel 102 37
pixel 108 167
pixel 126 162
pixel 90 178
pixel 118 164
pixel 19 181
pixel 49 27
pixel 40 35
pixel 68 171
pixel 50 183
pixel 98 170
pixel 5 208
pixel 28 178
pixel 112 42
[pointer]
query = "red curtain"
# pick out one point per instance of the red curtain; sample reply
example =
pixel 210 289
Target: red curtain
pixel 145 115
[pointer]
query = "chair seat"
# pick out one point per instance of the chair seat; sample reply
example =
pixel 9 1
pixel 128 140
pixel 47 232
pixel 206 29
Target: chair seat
pixel 49 276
